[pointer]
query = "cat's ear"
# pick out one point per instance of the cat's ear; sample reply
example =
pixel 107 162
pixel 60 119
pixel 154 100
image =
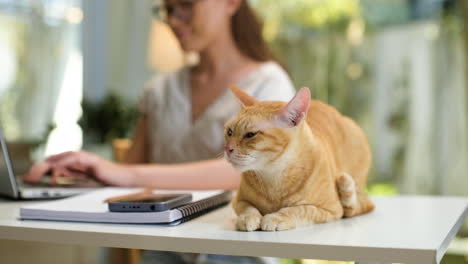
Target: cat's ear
pixel 295 111
pixel 244 98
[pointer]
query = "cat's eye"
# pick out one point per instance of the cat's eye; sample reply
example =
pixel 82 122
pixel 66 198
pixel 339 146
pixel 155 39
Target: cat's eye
pixel 229 132
pixel 250 134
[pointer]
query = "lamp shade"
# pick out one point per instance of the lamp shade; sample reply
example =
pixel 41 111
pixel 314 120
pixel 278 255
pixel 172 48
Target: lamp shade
pixel 164 51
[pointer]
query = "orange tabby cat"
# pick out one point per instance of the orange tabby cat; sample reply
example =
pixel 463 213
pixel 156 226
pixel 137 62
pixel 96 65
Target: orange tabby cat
pixel 302 162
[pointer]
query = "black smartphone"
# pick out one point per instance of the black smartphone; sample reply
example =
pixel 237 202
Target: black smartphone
pixel 150 203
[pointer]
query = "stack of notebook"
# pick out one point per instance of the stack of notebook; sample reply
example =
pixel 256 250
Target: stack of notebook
pixel 90 207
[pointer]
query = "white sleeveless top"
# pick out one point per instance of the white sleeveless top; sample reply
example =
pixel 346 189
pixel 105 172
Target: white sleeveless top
pixel 166 101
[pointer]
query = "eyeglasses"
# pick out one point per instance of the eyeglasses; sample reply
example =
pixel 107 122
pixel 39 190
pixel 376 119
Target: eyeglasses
pixel 181 10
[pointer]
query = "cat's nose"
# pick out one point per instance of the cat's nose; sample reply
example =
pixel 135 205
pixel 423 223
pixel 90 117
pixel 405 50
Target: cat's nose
pixel 228 149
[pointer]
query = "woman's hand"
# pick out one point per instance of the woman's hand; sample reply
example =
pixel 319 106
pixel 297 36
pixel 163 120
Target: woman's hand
pixel 79 164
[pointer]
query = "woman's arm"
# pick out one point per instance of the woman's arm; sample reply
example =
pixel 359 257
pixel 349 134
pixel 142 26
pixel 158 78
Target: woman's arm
pixel 208 174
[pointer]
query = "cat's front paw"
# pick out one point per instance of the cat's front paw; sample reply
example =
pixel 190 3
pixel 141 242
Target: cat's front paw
pixel 248 222
pixel 277 222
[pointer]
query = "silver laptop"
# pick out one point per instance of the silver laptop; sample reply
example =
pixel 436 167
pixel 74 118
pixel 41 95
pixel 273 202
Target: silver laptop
pixel 13 187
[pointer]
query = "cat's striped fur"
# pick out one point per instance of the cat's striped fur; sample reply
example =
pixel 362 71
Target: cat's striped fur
pixel 302 162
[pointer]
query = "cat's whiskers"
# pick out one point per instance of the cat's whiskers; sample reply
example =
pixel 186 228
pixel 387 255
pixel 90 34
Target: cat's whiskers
pixel 242 158
pixel 241 161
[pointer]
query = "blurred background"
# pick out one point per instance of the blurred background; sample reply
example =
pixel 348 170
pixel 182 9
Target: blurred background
pixel 398 67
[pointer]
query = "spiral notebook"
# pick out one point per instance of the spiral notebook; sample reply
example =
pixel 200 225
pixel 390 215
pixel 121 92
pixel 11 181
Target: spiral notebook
pixel 90 207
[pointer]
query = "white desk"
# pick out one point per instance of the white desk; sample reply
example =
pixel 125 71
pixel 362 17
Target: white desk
pixel 407 229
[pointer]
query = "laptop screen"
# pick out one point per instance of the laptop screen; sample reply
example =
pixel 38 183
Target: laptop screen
pixel 8 185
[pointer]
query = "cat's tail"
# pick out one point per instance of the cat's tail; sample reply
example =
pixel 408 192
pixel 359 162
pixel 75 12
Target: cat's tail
pixel 354 202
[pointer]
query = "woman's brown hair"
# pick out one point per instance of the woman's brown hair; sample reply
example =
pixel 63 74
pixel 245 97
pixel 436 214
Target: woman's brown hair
pixel 246 29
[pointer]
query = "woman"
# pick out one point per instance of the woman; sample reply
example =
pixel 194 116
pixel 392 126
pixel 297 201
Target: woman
pixel 180 132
